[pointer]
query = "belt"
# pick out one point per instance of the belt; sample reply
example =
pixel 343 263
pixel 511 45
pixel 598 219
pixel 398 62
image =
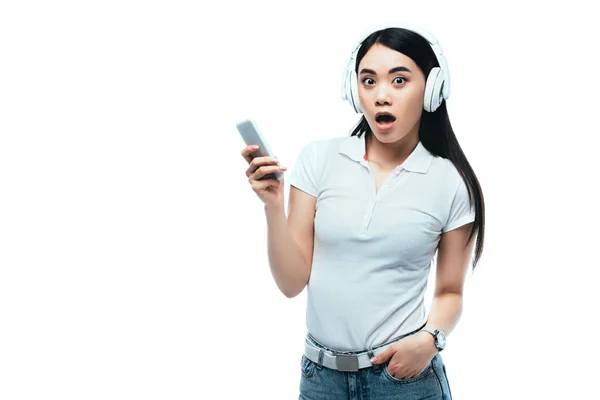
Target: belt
pixel 340 361
pixel 347 362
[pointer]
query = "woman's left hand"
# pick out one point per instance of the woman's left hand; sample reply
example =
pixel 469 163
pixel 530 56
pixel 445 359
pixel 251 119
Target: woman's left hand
pixel 409 356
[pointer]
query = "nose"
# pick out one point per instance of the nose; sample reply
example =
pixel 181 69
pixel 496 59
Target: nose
pixel 382 95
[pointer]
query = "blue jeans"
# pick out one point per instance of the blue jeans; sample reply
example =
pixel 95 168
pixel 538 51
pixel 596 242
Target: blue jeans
pixel 375 382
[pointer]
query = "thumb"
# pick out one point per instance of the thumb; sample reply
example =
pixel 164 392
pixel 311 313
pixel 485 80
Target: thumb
pixel 383 357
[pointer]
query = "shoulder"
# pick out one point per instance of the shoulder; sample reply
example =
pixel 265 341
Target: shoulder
pixel 445 171
pixel 308 169
pixel 454 199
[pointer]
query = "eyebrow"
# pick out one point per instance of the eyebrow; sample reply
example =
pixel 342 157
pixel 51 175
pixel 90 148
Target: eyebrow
pixel 391 71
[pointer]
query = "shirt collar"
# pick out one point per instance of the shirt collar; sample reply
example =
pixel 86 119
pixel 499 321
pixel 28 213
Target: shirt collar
pixel 418 161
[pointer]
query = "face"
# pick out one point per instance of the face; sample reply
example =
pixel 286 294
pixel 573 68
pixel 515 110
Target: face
pixel 390 82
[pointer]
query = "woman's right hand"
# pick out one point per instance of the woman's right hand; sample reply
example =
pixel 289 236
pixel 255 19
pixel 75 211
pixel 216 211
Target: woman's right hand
pixel 269 190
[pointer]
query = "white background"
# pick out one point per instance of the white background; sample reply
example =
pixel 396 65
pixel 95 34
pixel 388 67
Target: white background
pixel 133 251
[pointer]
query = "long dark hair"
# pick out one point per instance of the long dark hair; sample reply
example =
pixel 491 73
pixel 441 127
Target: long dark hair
pixel 435 131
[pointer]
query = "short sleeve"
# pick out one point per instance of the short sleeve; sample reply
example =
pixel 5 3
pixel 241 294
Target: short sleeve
pixel 461 210
pixel 304 174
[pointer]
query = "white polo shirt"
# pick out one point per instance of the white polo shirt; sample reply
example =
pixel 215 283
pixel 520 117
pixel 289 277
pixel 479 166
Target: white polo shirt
pixel 373 251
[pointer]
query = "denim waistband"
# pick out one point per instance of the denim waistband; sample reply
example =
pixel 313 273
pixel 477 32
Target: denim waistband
pixel 312 340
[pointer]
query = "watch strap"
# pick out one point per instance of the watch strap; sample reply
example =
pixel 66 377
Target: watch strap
pixel 431 330
pixel 434 332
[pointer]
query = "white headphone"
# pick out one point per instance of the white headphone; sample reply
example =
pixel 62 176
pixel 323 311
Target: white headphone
pixel 437 87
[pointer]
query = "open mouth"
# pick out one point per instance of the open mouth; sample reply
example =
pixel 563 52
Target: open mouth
pixel 385 121
pixel 385 118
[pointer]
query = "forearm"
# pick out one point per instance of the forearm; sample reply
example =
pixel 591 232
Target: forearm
pixel 287 264
pixel 446 310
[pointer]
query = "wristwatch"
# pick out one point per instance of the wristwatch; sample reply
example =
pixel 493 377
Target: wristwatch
pixel 440 337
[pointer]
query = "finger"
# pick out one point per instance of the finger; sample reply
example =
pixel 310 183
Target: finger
pixel 247 151
pixel 405 374
pixel 398 374
pixel 383 357
pixel 259 186
pixel 392 371
pixel 258 162
pixel 262 171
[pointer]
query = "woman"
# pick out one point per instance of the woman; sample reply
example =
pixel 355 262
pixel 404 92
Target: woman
pixel 366 215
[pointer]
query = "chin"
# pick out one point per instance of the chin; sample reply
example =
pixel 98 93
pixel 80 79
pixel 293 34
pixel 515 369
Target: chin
pixel 388 136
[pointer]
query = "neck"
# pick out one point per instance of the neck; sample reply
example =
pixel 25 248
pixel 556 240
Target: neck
pixel 389 155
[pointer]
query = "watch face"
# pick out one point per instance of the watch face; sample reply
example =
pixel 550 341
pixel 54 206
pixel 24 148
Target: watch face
pixel 441 338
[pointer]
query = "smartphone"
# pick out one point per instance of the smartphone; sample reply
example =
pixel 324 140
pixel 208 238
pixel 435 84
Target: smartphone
pixel 251 135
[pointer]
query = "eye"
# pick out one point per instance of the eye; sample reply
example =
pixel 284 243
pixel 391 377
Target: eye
pixel 399 77
pixel 366 79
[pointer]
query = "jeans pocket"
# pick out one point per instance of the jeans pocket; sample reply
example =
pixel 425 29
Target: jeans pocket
pixel 307 366
pixel 427 372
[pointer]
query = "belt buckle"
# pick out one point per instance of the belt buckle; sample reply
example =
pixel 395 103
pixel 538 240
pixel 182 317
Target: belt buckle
pixel 346 362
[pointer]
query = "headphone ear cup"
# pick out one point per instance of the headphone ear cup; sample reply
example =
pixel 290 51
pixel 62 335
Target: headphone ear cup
pixel 346 83
pixel 354 92
pixel 433 90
